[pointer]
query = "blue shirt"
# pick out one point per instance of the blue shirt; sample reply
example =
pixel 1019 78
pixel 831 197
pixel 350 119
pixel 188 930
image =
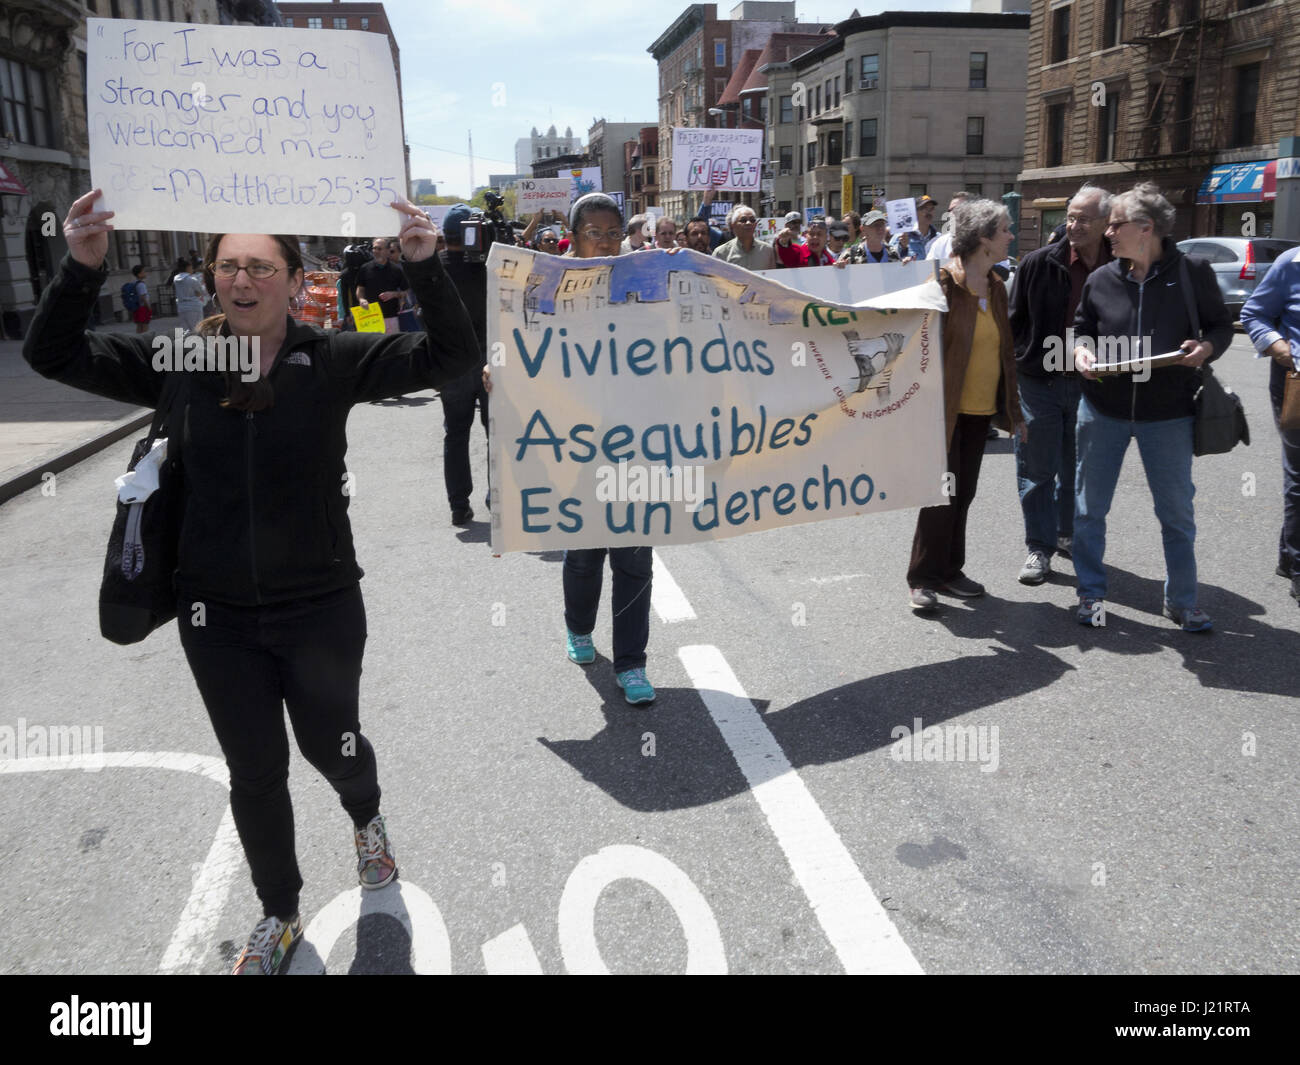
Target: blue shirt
pixel 1273 311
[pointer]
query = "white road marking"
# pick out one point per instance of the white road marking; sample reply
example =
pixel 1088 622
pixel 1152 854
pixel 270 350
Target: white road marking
pixel 577 918
pixel 197 925
pixel 665 595
pixel 419 915
pixel 511 954
pixel 854 921
pixel 836 579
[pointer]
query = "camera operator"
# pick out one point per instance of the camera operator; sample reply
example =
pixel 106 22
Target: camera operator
pixel 460 397
pixel 383 281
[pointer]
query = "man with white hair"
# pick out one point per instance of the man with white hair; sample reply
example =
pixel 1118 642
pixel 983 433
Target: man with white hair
pixel 1043 301
pixel 941 249
pixel 744 249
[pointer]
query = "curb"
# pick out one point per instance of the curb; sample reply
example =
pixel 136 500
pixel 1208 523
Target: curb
pixel 30 476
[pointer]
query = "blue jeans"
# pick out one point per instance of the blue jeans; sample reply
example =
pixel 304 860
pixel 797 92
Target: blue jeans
pixel 1288 547
pixel 583 573
pixel 1045 462
pixel 1166 450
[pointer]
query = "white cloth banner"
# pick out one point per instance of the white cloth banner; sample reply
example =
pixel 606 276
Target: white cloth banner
pixel 724 159
pixel 544 194
pixel 667 398
pixel 243 129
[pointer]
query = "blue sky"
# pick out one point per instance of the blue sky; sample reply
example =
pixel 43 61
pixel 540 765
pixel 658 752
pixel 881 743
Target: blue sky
pixel 565 63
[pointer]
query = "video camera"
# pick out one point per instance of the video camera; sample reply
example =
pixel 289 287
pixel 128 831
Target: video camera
pixel 483 230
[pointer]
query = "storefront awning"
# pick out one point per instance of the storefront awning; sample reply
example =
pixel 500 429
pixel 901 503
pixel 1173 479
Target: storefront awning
pixel 1237 183
pixel 10 185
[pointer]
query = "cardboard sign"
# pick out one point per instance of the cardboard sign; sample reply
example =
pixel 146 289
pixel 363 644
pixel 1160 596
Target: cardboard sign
pixel 902 215
pixel 369 319
pixel 239 129
pixel 544 194
pixel 584 180
pixel 663 398
pixel 730 159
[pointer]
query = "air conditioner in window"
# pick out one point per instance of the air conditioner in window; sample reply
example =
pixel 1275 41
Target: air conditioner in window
pixel 868 82
pixel 785 171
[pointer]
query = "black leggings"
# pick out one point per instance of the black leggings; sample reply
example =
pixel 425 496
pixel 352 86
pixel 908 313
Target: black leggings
pixel 250 663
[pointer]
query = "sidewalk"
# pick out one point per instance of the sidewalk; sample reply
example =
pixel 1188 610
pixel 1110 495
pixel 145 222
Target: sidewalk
pixel 47 427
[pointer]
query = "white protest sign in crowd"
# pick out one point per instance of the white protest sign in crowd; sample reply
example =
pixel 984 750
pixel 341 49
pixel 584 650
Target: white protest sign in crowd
pixel 584 180
pixel 543 194
pixel 902 215
pixel 243 129
pixel 665 398
pixel 724 159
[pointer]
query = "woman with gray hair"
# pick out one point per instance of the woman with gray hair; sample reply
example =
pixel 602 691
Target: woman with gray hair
pixel 979 383
pixel 1152 298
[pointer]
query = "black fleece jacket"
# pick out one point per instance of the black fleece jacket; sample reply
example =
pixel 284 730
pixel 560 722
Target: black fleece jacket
pixel 265 514
pixel 1113 305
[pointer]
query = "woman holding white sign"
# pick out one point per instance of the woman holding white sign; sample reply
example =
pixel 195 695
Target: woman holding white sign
pixel 269 603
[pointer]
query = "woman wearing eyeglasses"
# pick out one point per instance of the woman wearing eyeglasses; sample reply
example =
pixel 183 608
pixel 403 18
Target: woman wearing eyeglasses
pixel 269 604
pixel 1151 293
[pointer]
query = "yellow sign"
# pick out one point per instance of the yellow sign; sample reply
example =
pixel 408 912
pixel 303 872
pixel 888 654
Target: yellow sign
pixel 846 192
pixel 369 319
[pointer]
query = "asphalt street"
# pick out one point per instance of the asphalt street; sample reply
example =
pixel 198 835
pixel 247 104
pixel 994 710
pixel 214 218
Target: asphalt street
pixel 1134 812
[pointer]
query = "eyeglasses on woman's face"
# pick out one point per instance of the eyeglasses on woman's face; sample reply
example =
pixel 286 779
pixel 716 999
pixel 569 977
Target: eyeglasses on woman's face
pixel 594 234
pixel 258 270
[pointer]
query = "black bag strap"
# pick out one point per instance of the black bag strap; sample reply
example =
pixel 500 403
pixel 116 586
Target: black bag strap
pixel 1189 297
pixel 171 386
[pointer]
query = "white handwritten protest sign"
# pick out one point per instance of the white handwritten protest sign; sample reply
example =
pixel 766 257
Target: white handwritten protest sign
pixel 660 399
pixel 243 129
pixel 544 194
pixel 902 215
pixel 729 159
pixel 768 228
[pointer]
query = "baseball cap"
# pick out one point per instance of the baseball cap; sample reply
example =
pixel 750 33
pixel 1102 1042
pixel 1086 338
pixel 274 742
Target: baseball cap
pixel 875 216
pixel 453 222
pixel 793 216
pixel 921 201
pixel 839 229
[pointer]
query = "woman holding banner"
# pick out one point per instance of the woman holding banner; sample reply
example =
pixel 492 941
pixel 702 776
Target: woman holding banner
pixel 979 381
pixel 269 604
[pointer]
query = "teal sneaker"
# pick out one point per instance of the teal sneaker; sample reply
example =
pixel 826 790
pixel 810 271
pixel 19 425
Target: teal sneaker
pixel 580 649
pixel 636 689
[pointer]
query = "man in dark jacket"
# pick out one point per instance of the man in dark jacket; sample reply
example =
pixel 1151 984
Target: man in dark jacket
pixel 1043 301
pixel 460 398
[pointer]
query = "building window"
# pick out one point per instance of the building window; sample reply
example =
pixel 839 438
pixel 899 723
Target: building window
pixel 869 75
pixel 848 75
pixel 24 112
pixel 1155 120
pixel 787 159
pixel 1055 135
pixel 975 136
pixel 867 136
pixel 834 147
pixel 1107 126
pixel 979 70
pixel 314 24
pixel 719 53
pixel 1247 100
pixel 1060 39
pixel 1181 135
pixel 848 140
pixel 365 23
pixel 812 154
pixel 1112 23
pixel 288 21
pixel 801 158
pixel 817 107
pixel 340 24
pixel 787 110
pixel 915 191
pixel 649 175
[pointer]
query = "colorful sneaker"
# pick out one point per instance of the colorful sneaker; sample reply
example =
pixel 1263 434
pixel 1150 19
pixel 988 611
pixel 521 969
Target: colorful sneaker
pixel 376 866
pixel 1191 619
pixel 1091 612
pixel 268 947
pixel 580 649
pixel 636 689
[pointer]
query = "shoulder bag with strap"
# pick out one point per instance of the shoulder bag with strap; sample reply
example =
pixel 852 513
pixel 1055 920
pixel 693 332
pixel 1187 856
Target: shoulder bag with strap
pixel 1220 418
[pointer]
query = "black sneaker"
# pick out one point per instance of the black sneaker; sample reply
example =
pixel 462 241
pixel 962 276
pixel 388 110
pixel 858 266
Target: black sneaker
pixel 1283 568
pixel 962 587
pixel 1295 587
pixel 462 516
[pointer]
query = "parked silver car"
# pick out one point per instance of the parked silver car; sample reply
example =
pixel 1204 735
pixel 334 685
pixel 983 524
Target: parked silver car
pixel 1238 262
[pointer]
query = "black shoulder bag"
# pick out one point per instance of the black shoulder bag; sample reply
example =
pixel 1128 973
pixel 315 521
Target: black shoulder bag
pixel 137 594
pixel 1220 418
